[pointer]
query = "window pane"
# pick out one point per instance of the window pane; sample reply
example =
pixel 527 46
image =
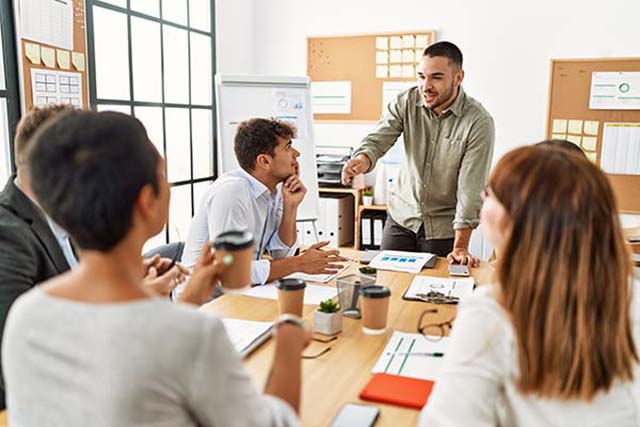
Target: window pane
pixel 112 57
pixel 155 241
pixel 179 213
pixel 175 11
pixel 202 143
pixel 145 47
pixel 200 14
pixel 176 65
pixel 151 118
pixel 5 158
pixel 3 84
pixel 198 191
pixel 178 152
pixel 114 107
pixel 121 3
pixel 201 77
pixel 148 7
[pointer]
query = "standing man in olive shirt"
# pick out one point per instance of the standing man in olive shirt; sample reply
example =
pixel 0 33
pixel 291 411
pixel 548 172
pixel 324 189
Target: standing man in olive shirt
pixel 448 141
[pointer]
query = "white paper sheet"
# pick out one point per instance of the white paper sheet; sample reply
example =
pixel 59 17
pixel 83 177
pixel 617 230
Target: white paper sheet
pixel 615 90
pixel 621 148
pixel 331 97
pixel 318 278
pixel 246 335
pixel 313 294
pixel 414 366
pixel 407 262
pixel 54 87
pixel 47 21
pixel 390 90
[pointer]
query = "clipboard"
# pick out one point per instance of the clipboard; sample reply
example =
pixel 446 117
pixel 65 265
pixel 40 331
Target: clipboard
pixel 417 290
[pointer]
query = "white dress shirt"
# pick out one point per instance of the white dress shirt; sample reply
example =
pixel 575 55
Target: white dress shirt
pixel 238 201
pixel 477 384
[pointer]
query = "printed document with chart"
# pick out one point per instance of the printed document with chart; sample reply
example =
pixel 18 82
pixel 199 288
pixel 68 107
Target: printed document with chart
pixel 406 262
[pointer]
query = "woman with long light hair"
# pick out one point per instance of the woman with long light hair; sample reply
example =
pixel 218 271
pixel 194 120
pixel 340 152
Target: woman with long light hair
pixel 552 343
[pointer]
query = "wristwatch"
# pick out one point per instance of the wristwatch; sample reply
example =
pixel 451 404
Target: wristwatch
pixel 290 318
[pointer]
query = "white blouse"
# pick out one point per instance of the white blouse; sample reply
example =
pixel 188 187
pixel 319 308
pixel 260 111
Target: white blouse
pixel 477 384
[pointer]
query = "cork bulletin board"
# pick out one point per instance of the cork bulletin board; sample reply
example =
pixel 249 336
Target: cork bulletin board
pixel 570 117
pixel 53 52
pixel 365 62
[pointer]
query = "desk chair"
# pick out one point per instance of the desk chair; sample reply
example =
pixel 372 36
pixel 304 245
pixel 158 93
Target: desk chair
pixel 172 251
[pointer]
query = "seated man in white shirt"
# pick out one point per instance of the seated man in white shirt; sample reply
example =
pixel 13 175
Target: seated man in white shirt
pixel 249 198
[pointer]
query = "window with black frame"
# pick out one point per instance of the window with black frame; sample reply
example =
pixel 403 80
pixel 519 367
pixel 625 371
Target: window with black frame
pixel 154 59
pixel 9 100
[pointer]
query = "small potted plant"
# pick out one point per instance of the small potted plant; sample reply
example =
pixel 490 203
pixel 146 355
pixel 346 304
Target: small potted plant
pixel 367 196
pixel 327 319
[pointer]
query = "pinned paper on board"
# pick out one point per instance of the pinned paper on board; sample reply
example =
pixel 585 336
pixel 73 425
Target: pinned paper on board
pixel 48 56
pixel 382 43
pixel 390 91
pixel 395 71
pixel 575 139
pixel 589 143
pixel 418 55
pixel 382 71
pixel 408 71
pixel 621 148
pixel 558 136
pixel 64 59
pixel 408 41
pixel 382 57
pixel 591 128
pixel 559 126
pixel 48 22
pixel 77 59
pixel 592 156
pixel 422 40
pixel 395 42
pixel 32 51
pixel 56 87
pixel 575 127
pixel 395 56
pixel 331 97
pixel 615 90
pixel 408 56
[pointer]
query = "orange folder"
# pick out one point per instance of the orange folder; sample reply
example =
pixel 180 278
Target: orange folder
pixel 397 390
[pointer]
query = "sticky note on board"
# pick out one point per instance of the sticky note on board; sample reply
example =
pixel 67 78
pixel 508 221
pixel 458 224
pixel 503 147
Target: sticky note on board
pixel 382 43
pixel 382 71
pixel 408 71
pixel 559 126
pixel 408 57
pixel 77 59
pixel 575 127
pixel 418 54
pixel 408 41
pixel 592 156
pixel 558 136
pixel 575 139
pixel 591 128
pixel 422 40
pixel 64 59
pixel 589 143
pixel 48 56
pixel 395 42
pixel 32 51
pixel 395 56
pixel 395 71
pixel 382 57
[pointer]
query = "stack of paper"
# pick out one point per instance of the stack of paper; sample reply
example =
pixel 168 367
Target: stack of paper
pixel 407 262
pixel 408 355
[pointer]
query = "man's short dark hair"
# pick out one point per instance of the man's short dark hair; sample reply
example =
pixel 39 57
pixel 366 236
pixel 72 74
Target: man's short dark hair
pixel 447 50
pixel 562 144
pixel 259 136
pixel 87 170
pixel 29 124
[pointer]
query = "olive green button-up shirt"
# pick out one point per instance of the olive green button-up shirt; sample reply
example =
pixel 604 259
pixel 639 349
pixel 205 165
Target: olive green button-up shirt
pixel 446 163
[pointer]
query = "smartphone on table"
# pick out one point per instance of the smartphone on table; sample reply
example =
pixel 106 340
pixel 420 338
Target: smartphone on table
pixel 459 270
pixel 356 415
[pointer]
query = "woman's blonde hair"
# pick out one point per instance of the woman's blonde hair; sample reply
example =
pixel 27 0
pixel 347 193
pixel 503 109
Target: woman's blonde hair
pixel 565 275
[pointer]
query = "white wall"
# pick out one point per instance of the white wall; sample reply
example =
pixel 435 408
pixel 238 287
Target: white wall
pixel 235 36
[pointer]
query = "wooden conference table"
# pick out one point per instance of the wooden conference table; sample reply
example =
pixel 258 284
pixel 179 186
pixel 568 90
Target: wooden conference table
pixel 338 376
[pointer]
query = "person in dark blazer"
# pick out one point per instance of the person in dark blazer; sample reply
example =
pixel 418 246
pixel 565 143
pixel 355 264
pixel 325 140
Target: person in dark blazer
pixel 31 250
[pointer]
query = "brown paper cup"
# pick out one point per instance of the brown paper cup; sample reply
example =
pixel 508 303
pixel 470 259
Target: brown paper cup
pixel 375 308
pixel 239 246
pixel 291 296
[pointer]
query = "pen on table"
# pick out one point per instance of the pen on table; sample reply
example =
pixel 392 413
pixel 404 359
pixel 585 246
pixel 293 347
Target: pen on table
pixel 434 354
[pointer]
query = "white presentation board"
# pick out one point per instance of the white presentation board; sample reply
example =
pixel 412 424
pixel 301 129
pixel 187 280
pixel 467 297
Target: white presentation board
pixel 241 97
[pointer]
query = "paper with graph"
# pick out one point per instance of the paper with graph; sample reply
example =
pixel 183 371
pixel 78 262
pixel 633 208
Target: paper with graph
pixel 404 355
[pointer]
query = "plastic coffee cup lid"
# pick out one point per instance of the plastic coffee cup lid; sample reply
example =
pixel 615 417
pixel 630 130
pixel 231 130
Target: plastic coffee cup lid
pixel 375 291
pixel 290 284
pixel 233 240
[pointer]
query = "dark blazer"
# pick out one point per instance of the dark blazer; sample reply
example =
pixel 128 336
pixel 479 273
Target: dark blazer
pixel 29 252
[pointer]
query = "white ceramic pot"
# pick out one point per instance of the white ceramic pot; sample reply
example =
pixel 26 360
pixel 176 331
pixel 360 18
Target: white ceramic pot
pixel 367 200
pixel 327 323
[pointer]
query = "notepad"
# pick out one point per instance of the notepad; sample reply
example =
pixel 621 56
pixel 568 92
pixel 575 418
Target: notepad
pixel 318 278
pixel 396 390
pixel 247 335
pixel 450 288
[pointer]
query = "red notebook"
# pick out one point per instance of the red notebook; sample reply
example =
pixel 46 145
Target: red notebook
pixel 397 390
